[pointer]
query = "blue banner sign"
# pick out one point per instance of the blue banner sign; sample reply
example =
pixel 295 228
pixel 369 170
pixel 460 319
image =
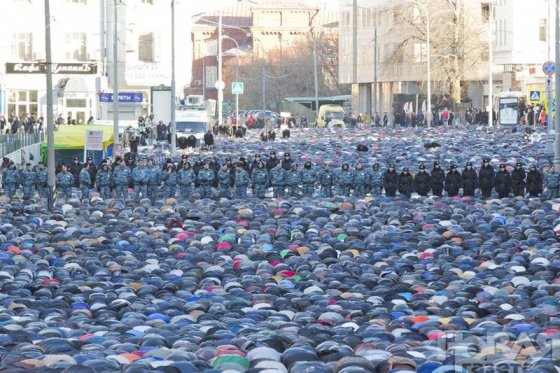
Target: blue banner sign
pixel 134 97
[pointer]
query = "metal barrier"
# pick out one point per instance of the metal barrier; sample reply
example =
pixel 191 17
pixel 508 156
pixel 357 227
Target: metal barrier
pixel 13 142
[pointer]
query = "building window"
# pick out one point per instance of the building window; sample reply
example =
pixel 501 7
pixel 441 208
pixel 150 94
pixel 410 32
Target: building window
pixel 151 2
pixel 22 103
pixel 504 31
pixel 210 76
pixel 23 46
pixel 146 48
pixel 76 46
pixel 542 29
pixel 82 2
pixel 212 48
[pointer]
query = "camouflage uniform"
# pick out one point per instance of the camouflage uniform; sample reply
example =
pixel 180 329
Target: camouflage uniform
pixel 293 179
pixel 344 181
pixel 326 181
pixel 278 181
pixel 169 179
pixel 361 181
pixel 27 179
pixel 185 179
pixel 153 182
pixel 10 179
pixel 308 179
pixel 376 181
pixel 259 179
pixel 103 180
pixel 206 178
pixel 552 183
pixel 241 183
pixel 64 183
pixel 121 177
pixel 85 183
pixel 41 179
pixel 224 179
pixel 140 181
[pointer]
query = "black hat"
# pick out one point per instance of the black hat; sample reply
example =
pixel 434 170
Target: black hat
pixel 486 160
pixel 40 162
pixel 286 154
pixel 405 169
pixel 89 158
pixel 28 164
pixel 228 159
pixel 273 152
pixel 391 165
pixel 184 156
pixel 76 158
pixel 169 165
pixel 198 159
pixel 533 166
pixel 436 163
pixel 242 159
pixel 518 164
pixel 61 162
pixel 502 166
pixel 469 164
pixel 422 167
pixel 453 167
pixel 257 155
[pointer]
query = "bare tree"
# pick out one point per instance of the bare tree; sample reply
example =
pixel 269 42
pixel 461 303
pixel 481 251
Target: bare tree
pixel 287 72
pixel 457 46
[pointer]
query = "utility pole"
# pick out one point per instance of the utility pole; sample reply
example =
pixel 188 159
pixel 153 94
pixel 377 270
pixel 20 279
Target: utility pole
pixel 220 82
pixel 557 116
pixel 429 63
pixel 549 145
pixel 173 122
pixel 315 73
pixel 50 124
pixel 115 82
pixel 490 57
pixel 375 63
pixel 263 88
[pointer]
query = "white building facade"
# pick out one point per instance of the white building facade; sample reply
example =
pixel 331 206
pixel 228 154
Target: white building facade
pixel 82 34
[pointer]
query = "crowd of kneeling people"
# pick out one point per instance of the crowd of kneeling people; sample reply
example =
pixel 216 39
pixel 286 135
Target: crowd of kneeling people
pixel 131 177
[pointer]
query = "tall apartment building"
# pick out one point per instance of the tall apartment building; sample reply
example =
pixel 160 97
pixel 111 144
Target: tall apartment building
pixel 82 34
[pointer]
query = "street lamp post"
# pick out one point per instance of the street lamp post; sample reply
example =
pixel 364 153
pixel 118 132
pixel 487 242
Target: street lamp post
pixel 173 122
pixel 490 81
pixel 115 82
pixel 557 83
pixel 50 125
pixel 220 82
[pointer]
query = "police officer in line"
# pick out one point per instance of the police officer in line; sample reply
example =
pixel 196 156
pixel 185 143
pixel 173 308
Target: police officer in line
pixel 205 179
pixel 293 179
pixel 406 183
pixel 121 177
pixel 169 179
pixel 469 179
pixel 278 180
pixel 391 181
pixel 41 179
pixel 224 181
pixel 259 180
pixel 453 181
pixel 104 180
pixel 551 181
pixel 185 179
pixel 241 181
pixel 10 179
pixel 437 178
pixel 422 181
pixel 85 182
pixel 518 177
pixel 361 180
pixel 534 181
pixel 345 180
pixel 64 182
pixel 376 180
pixel 140 181
pixel 308 179
pixel 325 178
pixel 486 177
pixel 27 179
